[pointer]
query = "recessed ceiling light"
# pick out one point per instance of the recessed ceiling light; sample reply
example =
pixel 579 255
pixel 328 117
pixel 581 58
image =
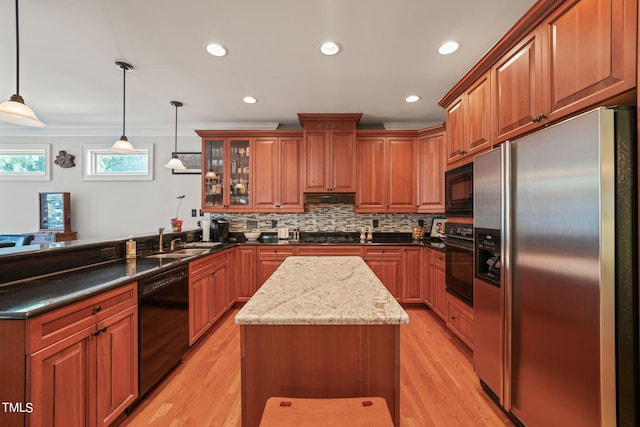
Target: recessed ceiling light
pixel 447 48
pixel 249 100
pixel 412 98
pixel 329 48
pixel 216 49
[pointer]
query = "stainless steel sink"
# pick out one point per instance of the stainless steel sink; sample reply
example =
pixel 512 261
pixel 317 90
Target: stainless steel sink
pixel 202 244
pixel 180 253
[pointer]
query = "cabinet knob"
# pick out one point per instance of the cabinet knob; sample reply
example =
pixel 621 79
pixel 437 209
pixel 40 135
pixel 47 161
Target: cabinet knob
pixel 212 273
pixel 96 309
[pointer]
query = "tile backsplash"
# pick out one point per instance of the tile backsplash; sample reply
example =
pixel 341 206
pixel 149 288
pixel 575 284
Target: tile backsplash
pixel 338 217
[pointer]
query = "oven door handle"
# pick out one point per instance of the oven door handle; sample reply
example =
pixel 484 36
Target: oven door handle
pixel 459 246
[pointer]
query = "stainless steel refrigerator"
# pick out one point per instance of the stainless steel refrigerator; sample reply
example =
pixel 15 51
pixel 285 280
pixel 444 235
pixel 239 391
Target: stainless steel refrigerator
pixel 558 342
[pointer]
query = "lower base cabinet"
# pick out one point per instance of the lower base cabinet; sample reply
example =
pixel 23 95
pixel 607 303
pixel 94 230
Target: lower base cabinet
pixel 460 319
pixel 269 259
pixel 211 292
pixel 82 366
pixel 244 268
pixel 386 263
pixel 435 283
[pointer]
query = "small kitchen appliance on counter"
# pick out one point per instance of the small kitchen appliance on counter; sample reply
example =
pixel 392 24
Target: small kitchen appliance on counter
pixel 219 230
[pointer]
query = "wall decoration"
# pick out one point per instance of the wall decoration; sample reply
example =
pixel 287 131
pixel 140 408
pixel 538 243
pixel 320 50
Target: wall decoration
pixel 65 160
pixel 191 161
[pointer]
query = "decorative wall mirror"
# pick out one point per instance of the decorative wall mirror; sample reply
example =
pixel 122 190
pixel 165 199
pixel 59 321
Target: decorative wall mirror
pixel 55 212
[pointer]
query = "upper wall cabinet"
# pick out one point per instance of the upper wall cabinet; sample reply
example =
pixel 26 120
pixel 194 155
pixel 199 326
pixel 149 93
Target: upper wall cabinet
pixel 431 166
pixel 227 174
pixel 329 152
pixel 468 122
pixel 277 185
pixel 387 165
pixel 256 171
pixel 581 55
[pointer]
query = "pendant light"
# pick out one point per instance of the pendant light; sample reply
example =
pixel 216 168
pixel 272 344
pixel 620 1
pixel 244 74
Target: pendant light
pixel 175 162
pixel 14 110
pixel 123 146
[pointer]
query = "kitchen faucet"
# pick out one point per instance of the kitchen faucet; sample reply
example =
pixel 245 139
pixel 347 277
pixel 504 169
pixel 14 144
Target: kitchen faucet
pixel 175 242
pixel 161 233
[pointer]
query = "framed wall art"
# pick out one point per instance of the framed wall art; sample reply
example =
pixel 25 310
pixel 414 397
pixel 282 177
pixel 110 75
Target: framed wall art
pixel 191 161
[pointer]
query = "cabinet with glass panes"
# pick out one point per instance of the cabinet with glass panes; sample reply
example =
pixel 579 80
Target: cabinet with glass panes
pixel 227 178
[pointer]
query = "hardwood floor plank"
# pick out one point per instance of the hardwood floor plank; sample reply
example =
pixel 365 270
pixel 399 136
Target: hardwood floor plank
pixel 437 384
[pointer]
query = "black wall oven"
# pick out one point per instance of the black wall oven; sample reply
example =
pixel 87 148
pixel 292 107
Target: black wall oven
pixel 459 260
pixel 458 195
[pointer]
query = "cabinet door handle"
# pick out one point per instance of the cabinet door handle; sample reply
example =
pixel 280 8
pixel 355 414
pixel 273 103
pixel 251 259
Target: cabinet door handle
pixel 97 331
pixel 96 309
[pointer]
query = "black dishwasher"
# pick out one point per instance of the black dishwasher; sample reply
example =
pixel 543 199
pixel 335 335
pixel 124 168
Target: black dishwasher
pixel 163 325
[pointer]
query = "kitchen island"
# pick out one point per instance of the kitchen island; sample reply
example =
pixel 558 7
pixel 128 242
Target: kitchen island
pixel 320 327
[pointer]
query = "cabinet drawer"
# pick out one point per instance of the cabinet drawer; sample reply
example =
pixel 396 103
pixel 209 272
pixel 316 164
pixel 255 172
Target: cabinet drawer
pixel 51 327
pixel 460 320
pixel 203 266
pixel 437 258
pixel 329 251
pixel 278 251
pixel 383 251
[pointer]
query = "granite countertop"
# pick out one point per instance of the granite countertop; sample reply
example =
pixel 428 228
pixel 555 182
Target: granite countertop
pixel 324 290
pixel 31 297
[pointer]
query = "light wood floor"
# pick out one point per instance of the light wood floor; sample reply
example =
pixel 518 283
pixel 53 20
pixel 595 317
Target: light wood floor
pixel 438 385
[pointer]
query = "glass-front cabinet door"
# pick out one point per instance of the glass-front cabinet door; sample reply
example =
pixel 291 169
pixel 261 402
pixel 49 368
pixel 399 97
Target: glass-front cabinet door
pixel 226 181
pixel 240 174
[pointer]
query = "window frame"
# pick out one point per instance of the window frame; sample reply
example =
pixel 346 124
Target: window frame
pixel 91 151
pixel 26 150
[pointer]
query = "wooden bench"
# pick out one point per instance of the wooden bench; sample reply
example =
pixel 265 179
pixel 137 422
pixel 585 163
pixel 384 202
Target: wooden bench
pixel 351 412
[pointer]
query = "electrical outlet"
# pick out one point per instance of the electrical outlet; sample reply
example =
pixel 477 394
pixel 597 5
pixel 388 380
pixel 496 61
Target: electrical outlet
pixel 194 213
pixel 252 224
pixel 107 253
pixel 201 213
pixel 375 223
pixel 421 222
pixel 274 223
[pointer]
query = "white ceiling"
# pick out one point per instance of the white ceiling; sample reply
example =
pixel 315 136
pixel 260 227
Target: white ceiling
pixel 68 49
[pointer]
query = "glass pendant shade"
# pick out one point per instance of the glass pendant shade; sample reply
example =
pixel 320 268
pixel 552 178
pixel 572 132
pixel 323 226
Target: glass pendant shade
pixel 122 146
pixel 15 111
pixel 175 162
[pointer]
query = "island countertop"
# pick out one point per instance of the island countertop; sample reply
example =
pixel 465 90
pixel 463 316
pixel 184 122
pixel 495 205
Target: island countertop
pixel 327 290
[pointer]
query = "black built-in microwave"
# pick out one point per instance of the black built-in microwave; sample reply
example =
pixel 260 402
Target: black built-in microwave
pixel 458 191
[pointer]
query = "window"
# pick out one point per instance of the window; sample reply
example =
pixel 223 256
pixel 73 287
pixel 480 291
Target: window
pixel 100 164
pixel 25 162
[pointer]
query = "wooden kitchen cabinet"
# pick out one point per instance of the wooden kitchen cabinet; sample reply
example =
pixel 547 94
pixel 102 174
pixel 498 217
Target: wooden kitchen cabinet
pixel 386 263
pixel 269 259
pixel 278 186
pixel 431 167
pixel 460 319
pixel 226 172
pixel 412 274
pixel 83 366
pixel 387 172
pixel 244 268
pixel 329 250
pixel 329 152
pixel 468 122
pixel 210 292
pixel 581 55
pixel 435 283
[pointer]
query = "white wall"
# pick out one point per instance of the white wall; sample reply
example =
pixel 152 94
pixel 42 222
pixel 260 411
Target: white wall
pixel 105 208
